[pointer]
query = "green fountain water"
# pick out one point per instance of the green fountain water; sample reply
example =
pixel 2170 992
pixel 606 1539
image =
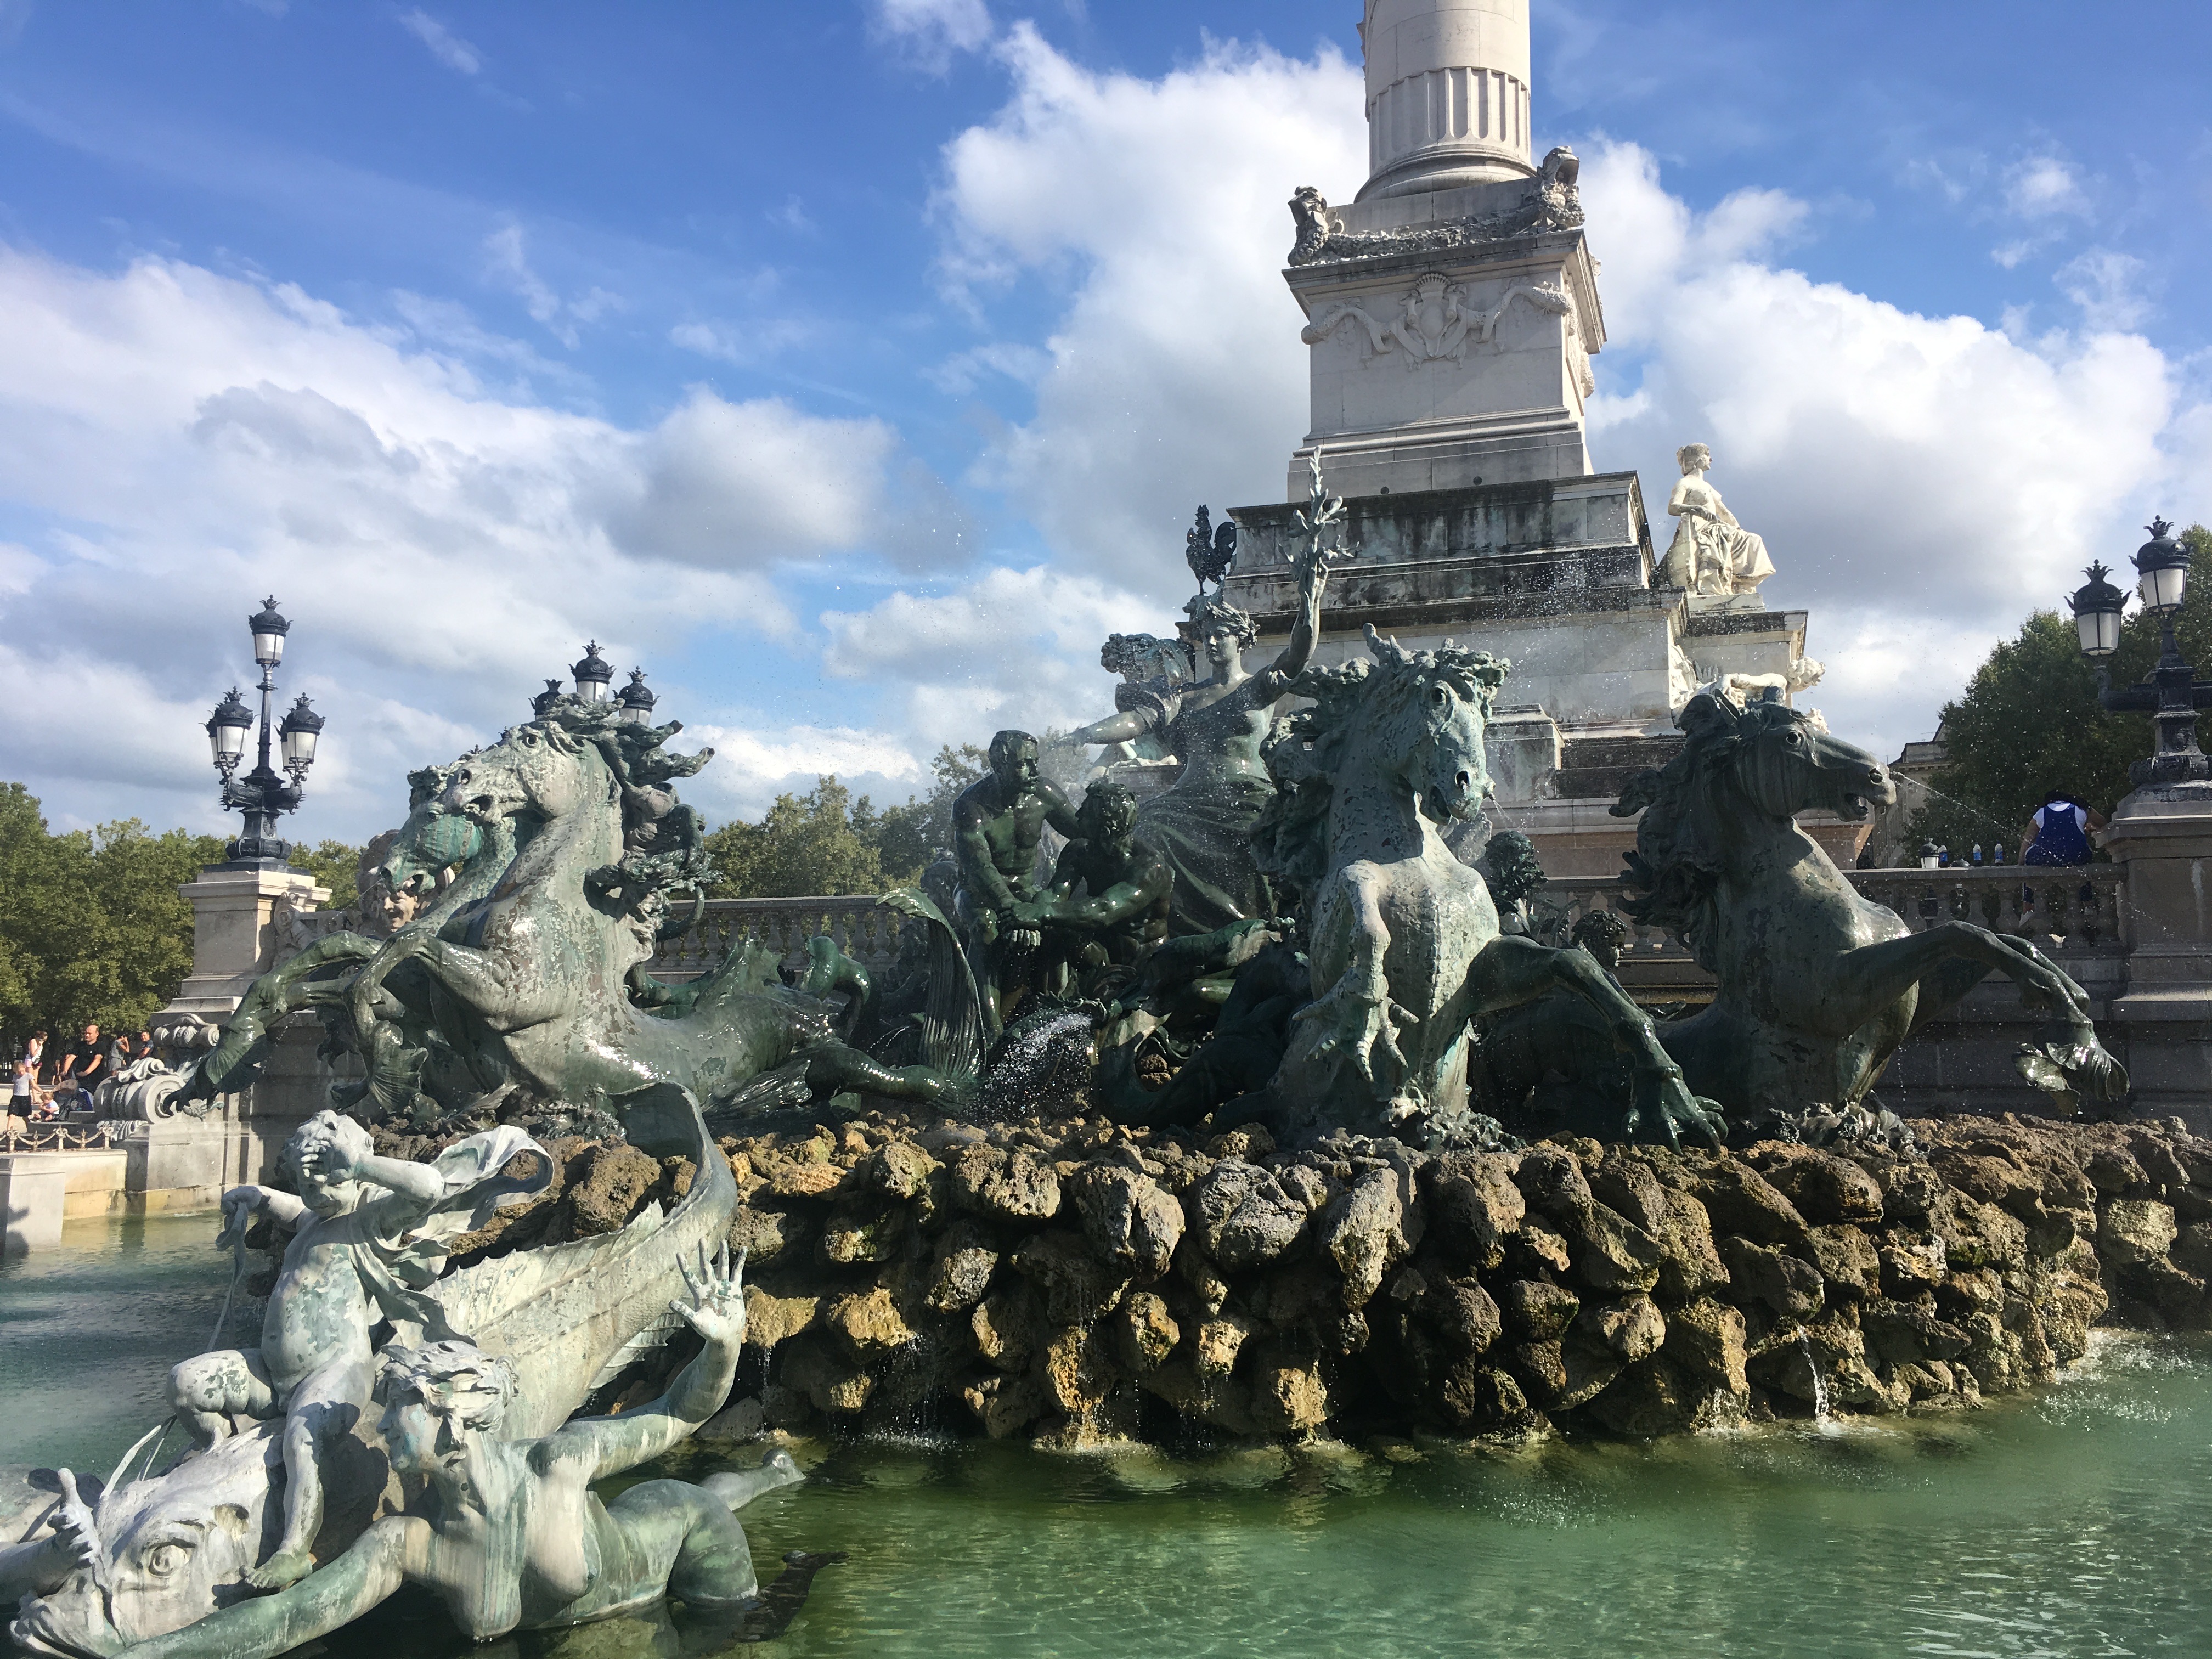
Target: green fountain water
pixel 2075 1522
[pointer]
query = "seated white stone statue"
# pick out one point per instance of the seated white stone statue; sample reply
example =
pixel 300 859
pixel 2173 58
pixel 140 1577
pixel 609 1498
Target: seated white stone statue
pixel 1718 561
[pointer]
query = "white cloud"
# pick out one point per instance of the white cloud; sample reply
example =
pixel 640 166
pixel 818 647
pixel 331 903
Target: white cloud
pixel 961 374
pixel 743 343
pixel 712 486
pixel 506 262
pixel 1922 482
pixel 175 444
pixel 928 31
pixel 2044 186
pixel 2104 284
pixel 1174 374
pixel 447 47
pixel 1012 648
pixel 756 762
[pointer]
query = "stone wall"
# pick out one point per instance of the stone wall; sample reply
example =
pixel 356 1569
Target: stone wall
pixel 1074 1283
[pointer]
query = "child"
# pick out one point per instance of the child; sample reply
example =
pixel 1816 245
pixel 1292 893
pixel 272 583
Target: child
pixel 356 1257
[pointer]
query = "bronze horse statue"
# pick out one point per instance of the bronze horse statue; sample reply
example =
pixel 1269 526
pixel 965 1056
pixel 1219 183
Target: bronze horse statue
pixel 1818 987
pixel 1402 937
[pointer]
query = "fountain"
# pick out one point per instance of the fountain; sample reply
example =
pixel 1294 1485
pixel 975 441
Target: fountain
pixel 1245 1139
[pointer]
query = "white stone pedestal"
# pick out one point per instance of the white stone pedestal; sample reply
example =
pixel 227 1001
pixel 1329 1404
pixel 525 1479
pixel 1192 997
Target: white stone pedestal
pixel 2164 835
pixel 233 941
pixel 33 1201
pixel 178 1164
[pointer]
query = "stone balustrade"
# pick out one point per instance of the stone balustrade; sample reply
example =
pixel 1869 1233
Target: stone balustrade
pixel 865 928
pixel 2068 914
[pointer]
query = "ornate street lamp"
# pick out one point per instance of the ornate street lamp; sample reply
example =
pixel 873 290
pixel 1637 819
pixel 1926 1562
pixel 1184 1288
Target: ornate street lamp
pixel 262 795
pixel 634 701
pixel 593 674
pixel 545 700
pixel 2097 605
pixel 2172 694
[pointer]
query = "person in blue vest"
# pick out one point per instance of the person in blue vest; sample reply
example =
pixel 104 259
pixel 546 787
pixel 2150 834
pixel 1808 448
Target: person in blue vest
pixel 2059 831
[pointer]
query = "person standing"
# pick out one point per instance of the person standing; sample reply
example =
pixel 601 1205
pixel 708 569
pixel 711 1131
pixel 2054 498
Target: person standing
pixel 19 1100
pixel 84 1067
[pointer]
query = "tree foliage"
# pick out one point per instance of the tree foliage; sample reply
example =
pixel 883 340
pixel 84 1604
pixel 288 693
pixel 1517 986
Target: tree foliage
pixel 826 842
pixel 91 926
pixel 333 864
pixel 2029 721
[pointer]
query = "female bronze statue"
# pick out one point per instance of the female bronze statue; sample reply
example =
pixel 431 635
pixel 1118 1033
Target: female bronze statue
pixel 1202 824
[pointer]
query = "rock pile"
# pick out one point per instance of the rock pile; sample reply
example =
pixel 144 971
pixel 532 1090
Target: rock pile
pixel 1075 1281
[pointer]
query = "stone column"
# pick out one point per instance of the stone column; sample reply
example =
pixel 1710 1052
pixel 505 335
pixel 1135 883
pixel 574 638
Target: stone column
pixel 177 1162
pixel 1447 94
pixel 2163 834
pixel 232 940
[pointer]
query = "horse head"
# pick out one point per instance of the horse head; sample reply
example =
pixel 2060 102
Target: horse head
pixel 1423 718
pixel 1784 764
pixel 543 770
pixel 432 840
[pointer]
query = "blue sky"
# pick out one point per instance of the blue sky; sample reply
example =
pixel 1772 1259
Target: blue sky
pixel 854 367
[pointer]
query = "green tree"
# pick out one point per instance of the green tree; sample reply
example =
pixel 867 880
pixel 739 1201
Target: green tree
pixel 91 926
pixel 908 837
pixel 334 865
pixel 803 845
pixel 2029 721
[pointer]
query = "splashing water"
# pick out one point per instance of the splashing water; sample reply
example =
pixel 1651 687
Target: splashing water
pixel 1044 1063
pixel 1822 1418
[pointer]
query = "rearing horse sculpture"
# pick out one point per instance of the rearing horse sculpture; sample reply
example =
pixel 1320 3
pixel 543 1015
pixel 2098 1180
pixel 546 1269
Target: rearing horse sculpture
pixel 523 971
pixel 1402 936
pixel 540 965
pixel 1818 985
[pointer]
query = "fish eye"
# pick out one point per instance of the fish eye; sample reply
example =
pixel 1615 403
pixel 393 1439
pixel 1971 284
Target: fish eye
pixel 164 1558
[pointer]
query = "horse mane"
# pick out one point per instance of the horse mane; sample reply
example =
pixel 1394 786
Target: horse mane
pixel 635 752
pixel 664 841
pixel 1672 876
pixel 1306 749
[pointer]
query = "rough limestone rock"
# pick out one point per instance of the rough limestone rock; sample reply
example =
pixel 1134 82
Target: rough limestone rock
pixel 763 1234
pixel 868 1323
pixel 1705 1344
pixel 1791 1288
pixel 1366 1231
pixel 1844 1258
pixel 2136 1230
pixel 1475 1204
pixel 1128 1216
pixel 966 1256
pixel 1146 1331
pixel 1741 1201
pixel 1078 1284
pixel 614 1178
pixel 1538 1310
pixel 771 1319
pixel 1827 1190
pixel 1039 1280
pixel 902 1169
pixel 1016 1187
pixel 1243 1217
pixel 1287 1398
pixel 1632 1325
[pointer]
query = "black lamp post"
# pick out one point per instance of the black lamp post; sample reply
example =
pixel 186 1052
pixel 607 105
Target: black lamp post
pixel 634 703
pixel 594 672
pixel 261 794
pixel 2172 694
